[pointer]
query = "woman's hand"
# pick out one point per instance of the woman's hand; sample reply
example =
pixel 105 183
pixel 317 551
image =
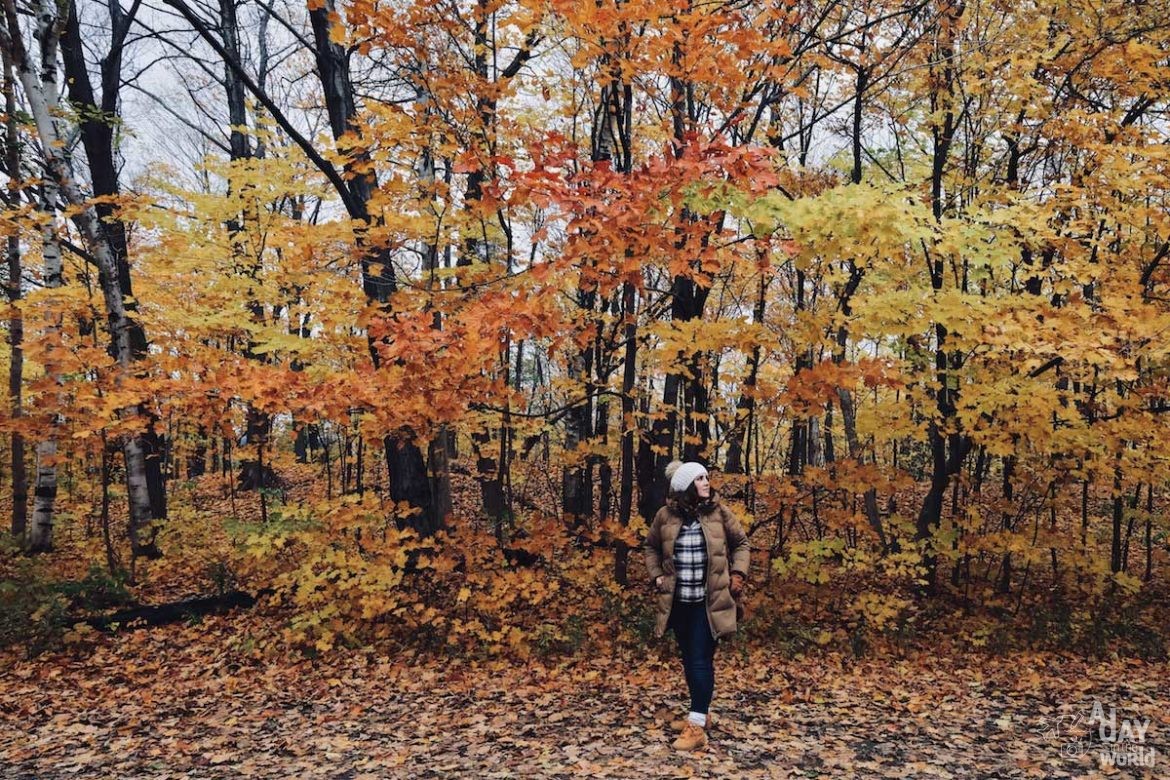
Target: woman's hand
pixel 658 581
pixel 737 580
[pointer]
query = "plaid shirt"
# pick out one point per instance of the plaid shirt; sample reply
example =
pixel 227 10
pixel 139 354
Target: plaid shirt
pixel 690 558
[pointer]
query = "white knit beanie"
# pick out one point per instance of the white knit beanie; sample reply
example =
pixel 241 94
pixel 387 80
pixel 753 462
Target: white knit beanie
pixel 681 475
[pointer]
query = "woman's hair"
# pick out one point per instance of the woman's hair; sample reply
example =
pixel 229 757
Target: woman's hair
pixel 690 496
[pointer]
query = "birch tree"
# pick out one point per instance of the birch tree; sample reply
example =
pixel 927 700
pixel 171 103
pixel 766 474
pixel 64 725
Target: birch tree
pixel 16 320
pixel 43 98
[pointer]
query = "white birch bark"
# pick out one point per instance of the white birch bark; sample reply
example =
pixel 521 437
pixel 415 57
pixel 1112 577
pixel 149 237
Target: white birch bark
pixel 40 533
pixel 43 96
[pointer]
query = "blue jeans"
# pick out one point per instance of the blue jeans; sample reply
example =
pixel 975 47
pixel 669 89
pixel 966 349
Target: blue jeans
pixel 697 647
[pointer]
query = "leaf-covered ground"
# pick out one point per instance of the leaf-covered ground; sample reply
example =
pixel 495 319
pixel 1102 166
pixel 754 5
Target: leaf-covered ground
pixel 174 702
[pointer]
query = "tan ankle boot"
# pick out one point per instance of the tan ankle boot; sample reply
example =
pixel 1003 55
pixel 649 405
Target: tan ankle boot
pixel 693 737
pixel 677 725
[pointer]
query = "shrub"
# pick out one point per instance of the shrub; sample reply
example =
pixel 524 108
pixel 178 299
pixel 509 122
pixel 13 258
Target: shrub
pixel 35 609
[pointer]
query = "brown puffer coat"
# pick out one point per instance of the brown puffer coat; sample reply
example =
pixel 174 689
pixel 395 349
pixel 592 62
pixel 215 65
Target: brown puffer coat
pixel 727 551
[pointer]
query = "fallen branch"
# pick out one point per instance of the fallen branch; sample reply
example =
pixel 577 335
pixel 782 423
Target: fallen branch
pixel 161 614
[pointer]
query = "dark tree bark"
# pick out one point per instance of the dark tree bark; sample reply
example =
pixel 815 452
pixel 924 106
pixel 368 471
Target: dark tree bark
pixel 738 446
pixel 1004 582
pixel 161 614
pixel 950 449
pixel 197 460
pixel 798 444
pixel 1149 531
pixel 254 472
pixel 688 300
pixel 844 303
pixel 409 480
pixel 307 441
pixel 476 249
pixel 577 480
pixel 97 137
pixel 237 109
pixel 1117 515
pixel 629 377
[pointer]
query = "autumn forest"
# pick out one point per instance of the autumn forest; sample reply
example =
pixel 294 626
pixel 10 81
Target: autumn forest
pixel 366 330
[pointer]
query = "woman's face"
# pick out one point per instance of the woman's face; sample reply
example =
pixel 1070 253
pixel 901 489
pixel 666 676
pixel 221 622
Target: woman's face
pixel 703 486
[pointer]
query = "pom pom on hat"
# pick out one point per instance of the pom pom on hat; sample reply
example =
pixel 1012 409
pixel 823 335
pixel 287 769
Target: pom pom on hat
pixel 681 475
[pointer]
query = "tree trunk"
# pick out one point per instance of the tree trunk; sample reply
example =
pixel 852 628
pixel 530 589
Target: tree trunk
pixel 237 110
pixel 42 97
pixel 1149 531
pixel 491 491
pixel 476 249
pixel 629 376
pixel 849 418
pixel 40 538
pixel 1004 584
pixel 307 441
pixel 688 300
pixel 408 477
pixel 1118 514
pixel 40 533
pixel 576 482
pixel 197 460
pixel 949 450
pixel 798 443
pixel 844 302
pixel 97 123
pixel 16 321
pixel 737 460
pixel 254 474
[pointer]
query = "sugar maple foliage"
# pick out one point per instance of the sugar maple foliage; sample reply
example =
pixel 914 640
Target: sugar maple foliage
pixel 898 268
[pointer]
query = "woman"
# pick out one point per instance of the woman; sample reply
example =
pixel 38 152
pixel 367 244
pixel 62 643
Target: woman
pixel 697 556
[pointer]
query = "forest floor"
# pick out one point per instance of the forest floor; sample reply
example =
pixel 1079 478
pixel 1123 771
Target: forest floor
pixel 178 701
